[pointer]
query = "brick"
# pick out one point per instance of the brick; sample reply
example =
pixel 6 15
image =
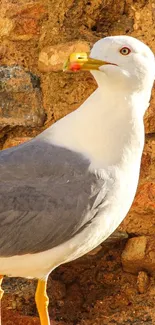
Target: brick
pixel 52 58
pixel 139 255
pixel 20 98
pixel 135 249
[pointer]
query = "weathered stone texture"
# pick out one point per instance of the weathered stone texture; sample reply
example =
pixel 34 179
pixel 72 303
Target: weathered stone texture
pixel 20 98
pixel 150 115
pixel 139 254
pixel 142 281
pixel 15 141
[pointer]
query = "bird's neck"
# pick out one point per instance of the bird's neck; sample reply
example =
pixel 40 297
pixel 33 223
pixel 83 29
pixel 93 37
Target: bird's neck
pixel 106 128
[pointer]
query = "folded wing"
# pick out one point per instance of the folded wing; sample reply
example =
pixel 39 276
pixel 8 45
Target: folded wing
pixel 47 195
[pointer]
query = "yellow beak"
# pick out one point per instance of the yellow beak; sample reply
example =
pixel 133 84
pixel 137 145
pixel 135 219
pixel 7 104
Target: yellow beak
pixel 81 61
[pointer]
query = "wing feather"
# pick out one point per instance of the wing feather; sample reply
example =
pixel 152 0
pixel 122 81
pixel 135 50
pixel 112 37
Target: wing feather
pixel 47 195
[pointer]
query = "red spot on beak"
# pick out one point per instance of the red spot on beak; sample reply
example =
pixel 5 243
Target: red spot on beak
pixel 75 67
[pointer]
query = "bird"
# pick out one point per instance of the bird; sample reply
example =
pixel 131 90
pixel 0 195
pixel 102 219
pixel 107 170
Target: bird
pixel 65 191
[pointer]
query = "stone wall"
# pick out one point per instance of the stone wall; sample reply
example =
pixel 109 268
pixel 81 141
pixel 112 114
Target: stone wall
pixel 35 38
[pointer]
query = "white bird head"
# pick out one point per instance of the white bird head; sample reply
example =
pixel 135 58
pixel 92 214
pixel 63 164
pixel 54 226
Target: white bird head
pixel 121 60
pixel 135 62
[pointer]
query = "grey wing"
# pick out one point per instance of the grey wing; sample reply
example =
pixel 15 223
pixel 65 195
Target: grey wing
pixel 47 195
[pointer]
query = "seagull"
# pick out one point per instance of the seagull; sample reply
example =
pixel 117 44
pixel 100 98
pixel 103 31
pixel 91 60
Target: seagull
pixel 66 191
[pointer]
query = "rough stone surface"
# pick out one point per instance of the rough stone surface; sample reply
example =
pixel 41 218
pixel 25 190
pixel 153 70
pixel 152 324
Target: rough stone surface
pixel 20 98
pixel 94 289
pixel 6 25
pixel 139 254
pixel 91 290
pixel 145 199
pixel 142 281
pixel 150 115
pixel 15 141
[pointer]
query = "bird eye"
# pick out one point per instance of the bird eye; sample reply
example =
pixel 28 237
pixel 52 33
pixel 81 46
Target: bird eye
pixel 125 50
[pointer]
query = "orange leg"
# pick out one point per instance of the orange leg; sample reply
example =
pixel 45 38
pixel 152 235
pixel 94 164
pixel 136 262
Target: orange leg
pixel 42 301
